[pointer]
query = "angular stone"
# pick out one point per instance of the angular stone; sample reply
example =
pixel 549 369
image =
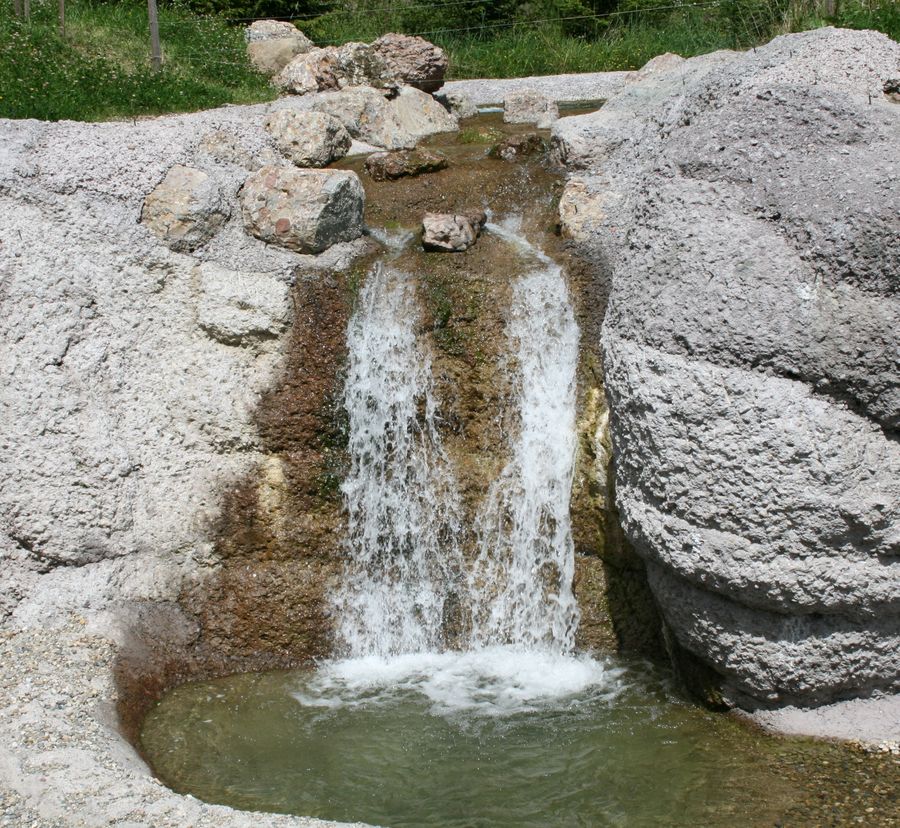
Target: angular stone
pixel 317 70
pixel 411 60
pixel 186 209
pixel 530 107
pixel 388 166
pixel 271 56
pixel 665 62
pixel 238 308
pixel 309 139
pixel 366 115
pixel 451 232
pixel 457 104
pixel 420 115
pixel 303 210
pixel 387 63
pixel 519 146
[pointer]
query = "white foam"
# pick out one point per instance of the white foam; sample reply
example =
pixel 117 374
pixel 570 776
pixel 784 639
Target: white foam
pixel 493 681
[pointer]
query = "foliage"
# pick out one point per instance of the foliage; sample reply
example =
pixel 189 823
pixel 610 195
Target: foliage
pixel 101 69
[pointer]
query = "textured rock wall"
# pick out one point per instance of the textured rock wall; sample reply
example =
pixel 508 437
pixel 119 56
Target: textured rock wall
pixel 748 210
pixel 132 374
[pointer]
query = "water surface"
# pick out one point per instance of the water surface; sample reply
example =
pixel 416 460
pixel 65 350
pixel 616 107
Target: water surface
pixel 497 738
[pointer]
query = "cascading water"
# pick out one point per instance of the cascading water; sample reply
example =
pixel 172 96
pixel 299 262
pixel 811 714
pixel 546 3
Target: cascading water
pixel 406 572
pixel 521 585
pixel 402 505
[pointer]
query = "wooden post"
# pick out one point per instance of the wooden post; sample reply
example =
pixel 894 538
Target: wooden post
pixel 155 51
pixel 17 8
pixel 28 10
pixel 62 18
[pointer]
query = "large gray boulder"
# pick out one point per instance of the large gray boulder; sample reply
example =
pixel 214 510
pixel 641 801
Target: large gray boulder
pixel 306 211
pixel 747 209
pixel 411 60
pixel 399 123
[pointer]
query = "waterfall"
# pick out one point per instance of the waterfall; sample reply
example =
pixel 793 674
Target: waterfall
pixel 521 584
pixel 402 501
pixel 407 572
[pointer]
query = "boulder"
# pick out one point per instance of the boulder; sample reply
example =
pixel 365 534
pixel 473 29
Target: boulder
pixel 519 146
pixel 456 103
pixel 390 62
pixel 317 70
pixel 411 60
pixel 420 115
pixel 262 30
pixel 367 115
pixel 305 211
pixel 272 44
pixel 388 166
pixel 309 139
pixel 393 124
pixel 241 308
pixel 451 232
pixel 186 209
pixel 746 210
pixel 529 107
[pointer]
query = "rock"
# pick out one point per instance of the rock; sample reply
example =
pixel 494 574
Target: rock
pixel 317 70
pixel 303 210
pixel 456 103
pixel 186 209
pixel 420 115
pixel 891 89
pixel 411 60
pixel 263 30
pixel 240 308
pixel 519 146
pixel 390 62
pixel 746 209
pixel 367 115
pixel 272 44
pixel 451 233
pixel 388 166
pixel 309 139
pixel 529 107
pixel 393 124
pixel 271 56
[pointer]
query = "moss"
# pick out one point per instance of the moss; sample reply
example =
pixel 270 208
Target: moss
pixel 479 135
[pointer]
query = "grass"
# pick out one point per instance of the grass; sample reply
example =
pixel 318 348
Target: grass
pixel 101 69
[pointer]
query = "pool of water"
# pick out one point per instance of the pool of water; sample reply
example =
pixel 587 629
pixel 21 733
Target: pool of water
pixel 493 738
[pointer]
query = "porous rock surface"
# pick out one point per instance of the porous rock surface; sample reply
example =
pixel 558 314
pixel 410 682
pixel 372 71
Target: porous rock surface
pixel 411 60
pixel 130 376
pixel 306 211
pixel 451 232
pixel 309 139
pixel 748 209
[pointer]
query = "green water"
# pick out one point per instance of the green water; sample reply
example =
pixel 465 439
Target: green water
pixel 450 745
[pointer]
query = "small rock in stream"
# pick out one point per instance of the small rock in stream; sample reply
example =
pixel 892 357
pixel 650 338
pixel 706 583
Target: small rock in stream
pixel 452 232
pixel 388 166
pixel 518 146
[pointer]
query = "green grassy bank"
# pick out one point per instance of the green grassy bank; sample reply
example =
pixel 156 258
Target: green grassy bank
pixel 100 67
